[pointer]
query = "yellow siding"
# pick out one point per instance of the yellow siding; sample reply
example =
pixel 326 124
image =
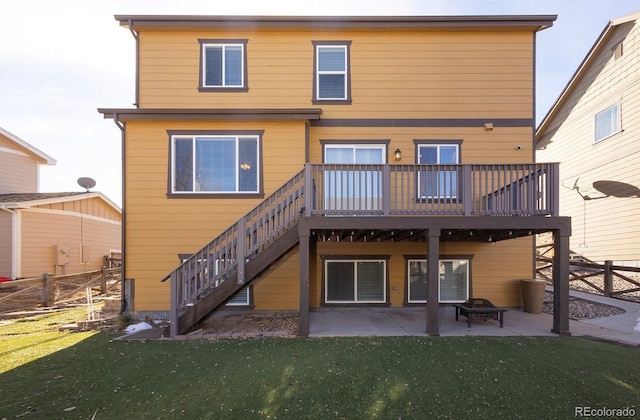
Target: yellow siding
pixel 160 228
pixel 43 229
pixel 394 74
pixel 280 288
pixel 478 145
pixel 404 74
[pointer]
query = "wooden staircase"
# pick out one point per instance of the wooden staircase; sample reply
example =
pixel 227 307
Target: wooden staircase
pixel 237 257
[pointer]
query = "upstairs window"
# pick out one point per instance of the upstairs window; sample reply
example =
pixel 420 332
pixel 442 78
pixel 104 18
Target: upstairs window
pixel 215 164
pixel 607 123
pixel 223 65
pixel 439 182
pixel 331 74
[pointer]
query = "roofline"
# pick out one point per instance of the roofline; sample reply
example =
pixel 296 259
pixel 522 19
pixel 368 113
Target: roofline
pixel 128 114
pixel 582 68
pixel 539 22
pixel 45 157
pixel 65 199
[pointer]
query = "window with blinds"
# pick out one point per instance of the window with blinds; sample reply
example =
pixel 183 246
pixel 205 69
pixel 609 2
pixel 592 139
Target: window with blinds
pixel 215 164
pixel 331 72
pixel 355 281
pixel 223 64
pixel 453 281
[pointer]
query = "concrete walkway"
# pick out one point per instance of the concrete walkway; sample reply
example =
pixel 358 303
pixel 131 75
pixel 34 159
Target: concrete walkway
pixel 333 322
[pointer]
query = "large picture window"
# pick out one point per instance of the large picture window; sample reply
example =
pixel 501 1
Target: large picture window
pixel 331 73
pixel 223 64
pixel 355 281
pixel 607 123
pixel 215 164
pixel 438 182
pixel 453 278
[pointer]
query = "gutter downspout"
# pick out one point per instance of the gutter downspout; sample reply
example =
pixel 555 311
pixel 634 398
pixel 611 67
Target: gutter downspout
pixel 15 242
pixel 123 238
pixel 136 36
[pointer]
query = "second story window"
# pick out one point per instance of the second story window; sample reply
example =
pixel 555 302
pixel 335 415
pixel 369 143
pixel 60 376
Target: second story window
pixel 331 72
pixel 215 164
pixel 607 123
pixel 438 182
pixel 223 65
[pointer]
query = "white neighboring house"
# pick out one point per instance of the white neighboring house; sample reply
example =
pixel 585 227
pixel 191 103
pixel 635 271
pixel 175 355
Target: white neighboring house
pixel 593 129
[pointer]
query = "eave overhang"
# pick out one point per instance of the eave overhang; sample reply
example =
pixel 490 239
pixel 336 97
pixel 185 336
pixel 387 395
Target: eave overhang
pixel 244 114
pixel 283 114
pixel 532 22
pixel 37 154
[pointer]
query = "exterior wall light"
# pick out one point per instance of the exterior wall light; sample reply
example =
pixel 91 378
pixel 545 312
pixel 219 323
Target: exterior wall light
pixel 397 155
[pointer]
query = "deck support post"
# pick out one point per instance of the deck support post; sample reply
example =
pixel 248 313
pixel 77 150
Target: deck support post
pixel 303 323
pixel 433 268
pixel 560 283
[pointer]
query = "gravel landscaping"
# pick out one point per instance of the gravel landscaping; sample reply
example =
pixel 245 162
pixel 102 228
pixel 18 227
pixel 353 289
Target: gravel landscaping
pixel 582 309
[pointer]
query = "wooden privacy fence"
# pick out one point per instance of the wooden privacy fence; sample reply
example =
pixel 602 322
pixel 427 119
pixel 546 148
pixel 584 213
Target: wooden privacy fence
pixel 49 290
pixel 606 279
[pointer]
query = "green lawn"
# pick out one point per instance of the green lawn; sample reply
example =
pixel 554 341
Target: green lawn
pixel 389 378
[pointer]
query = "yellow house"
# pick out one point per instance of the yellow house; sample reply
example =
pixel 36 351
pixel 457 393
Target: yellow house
pixel 58 233
pixel 309 162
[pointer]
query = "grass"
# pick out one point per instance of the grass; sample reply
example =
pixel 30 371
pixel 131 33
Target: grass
pixel 383 377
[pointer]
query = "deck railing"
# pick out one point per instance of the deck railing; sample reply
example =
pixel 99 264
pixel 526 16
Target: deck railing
pixel 364 190
pixel 388 190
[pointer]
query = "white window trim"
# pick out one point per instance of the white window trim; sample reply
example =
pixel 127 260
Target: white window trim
pixel 193 164
pixel 235 302
pixel 355 280
pixel 382 147
pixel 618 122
pixel 224 47
pixel 326 72
pixel 408 279
pixel 437 146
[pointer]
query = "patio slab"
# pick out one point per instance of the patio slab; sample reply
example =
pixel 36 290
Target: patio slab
pixel 345 322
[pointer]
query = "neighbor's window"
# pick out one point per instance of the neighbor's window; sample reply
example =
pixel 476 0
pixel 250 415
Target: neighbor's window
pixel 453 277
pixel 223 64
pixel 215 164
pixel 438 182
pixel 607 122
pixel 355 281
pixel 331 74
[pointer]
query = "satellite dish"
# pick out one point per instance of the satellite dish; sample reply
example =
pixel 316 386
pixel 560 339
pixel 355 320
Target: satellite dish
pixel 86 182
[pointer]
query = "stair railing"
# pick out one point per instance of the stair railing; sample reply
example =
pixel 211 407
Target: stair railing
pixel 228 253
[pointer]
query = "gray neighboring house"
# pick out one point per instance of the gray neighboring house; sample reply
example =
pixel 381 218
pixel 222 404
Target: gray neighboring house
pixel 593 129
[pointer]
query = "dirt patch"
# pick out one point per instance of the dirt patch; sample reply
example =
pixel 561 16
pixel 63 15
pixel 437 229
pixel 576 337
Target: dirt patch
pixel 263 322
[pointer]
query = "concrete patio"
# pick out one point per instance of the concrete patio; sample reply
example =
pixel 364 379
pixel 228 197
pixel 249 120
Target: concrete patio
pixel 345 322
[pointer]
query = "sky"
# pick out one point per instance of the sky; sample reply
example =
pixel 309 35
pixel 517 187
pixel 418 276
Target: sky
pixel 62 60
